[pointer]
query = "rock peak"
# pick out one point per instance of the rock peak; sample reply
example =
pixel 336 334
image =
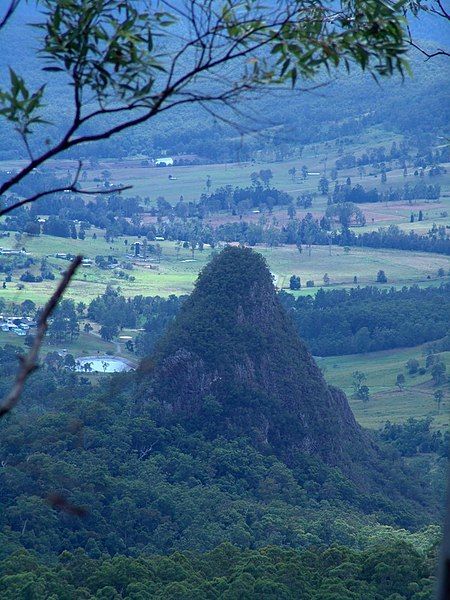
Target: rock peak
pixel 232 364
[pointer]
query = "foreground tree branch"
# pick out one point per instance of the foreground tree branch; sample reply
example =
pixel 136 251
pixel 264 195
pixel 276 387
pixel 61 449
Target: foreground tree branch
pixel 29 362
pixel 73 187
pixel 8 12
pixel 130 61
pixel 437 9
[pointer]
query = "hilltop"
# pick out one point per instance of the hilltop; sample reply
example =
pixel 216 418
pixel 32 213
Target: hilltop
pixel 232 364
pixel 229 432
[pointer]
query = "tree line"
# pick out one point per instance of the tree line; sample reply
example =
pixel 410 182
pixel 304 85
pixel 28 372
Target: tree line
pixel 358 193
pixel 333 322
pixel 359 320
pixel 383 569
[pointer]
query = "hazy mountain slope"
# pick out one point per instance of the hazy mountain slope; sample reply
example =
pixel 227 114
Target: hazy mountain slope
pixel 417 105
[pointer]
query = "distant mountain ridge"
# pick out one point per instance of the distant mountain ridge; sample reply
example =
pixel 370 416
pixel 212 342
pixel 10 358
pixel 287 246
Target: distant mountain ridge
pixel 417 105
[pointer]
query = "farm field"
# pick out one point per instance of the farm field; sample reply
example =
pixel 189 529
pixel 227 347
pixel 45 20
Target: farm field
pixel 377 215
pixel 172 276
pixel 402 268
pixel 387 402
pixel 383 214
pixel 85 344
pixel 190 181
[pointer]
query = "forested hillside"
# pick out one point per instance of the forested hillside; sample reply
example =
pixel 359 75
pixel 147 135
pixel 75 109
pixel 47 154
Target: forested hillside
pixel 286 120
pixel 165 461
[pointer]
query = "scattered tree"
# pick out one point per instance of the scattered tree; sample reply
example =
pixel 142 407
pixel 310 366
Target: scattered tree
pixel 324 186
pixel 438 372
pixel 361 390
pixel 438 397
pixel 400 381
pixel 294 282
pixel 381 277
pixel 412 366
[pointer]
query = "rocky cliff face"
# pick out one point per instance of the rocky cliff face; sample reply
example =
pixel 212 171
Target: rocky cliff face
pixel 232 364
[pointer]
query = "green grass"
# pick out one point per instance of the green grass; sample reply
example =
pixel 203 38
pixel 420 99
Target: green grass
pixel 387 402
pixel 172 276
pixel 190 181
pixel 401 268
pixel 85 344
pixel 178 277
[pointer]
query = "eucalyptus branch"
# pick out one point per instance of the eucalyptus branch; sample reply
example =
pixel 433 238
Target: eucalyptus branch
pixel 29 362
pixel 437 9
pixel 441 11
pixel 112 58
pixel 427 53
pixel 9 12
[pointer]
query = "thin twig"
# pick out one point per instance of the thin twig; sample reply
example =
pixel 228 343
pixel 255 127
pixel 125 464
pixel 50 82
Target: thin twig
pixel 441 12
pixel 29 361
pixel 9 12
pixel 5 211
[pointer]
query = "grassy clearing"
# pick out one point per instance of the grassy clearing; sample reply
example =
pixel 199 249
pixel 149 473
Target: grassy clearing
pixel 398 213
pixel 401 268
pixel 85 344
pixel 172 276
pixel 387 402
pixel 190 181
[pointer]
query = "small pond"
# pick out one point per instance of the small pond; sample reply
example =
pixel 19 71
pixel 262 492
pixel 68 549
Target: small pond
pixel 102 364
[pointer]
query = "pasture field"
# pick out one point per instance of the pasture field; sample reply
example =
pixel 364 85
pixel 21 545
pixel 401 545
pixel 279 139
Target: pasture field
pixel 377 215
pixel 383 214
pixel 85 344
pixel 401 268
pixel 190 181
pixel 177 276
pixel 387 402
